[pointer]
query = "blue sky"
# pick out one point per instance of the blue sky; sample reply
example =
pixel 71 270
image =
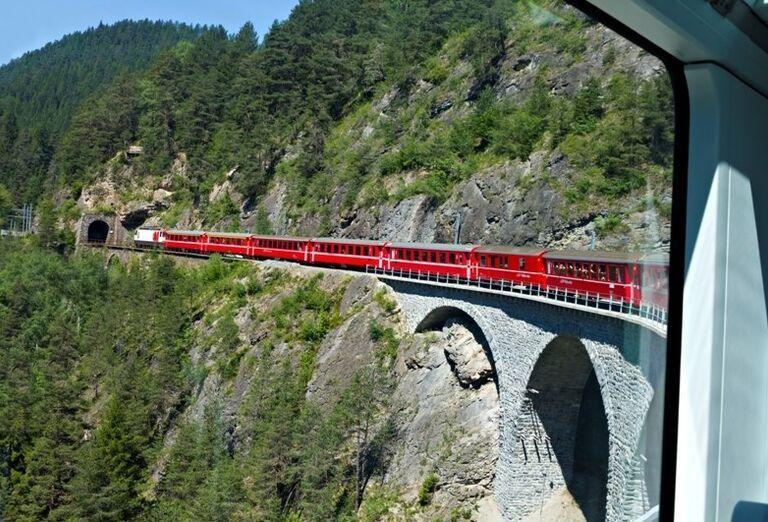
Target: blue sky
pixel 26 25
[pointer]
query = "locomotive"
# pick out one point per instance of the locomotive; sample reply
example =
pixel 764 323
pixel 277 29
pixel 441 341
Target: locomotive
pixel 634 278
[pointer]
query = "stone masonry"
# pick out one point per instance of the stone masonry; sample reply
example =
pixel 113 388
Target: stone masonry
pixel 560 372
pixel 116 235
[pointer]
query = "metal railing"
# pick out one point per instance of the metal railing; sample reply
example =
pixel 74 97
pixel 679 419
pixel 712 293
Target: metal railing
pixel 594 300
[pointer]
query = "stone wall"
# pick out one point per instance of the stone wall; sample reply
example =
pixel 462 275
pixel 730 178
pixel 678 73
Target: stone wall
pixel 117 235
pixel 626 361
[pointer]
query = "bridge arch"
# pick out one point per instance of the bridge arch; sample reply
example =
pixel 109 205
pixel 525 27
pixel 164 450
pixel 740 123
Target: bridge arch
pixel 614 369
pixel 98 231
pixel 561 434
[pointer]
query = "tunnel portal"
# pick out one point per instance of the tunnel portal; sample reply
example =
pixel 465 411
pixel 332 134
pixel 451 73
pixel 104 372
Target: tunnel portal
pixel 98 232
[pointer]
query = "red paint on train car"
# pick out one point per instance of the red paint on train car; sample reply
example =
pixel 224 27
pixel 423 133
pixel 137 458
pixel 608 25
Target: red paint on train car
pixel 357 253
pixel 448 260
pixel 274 247
pixel 628 277
pixel 516 264
pixel 185 241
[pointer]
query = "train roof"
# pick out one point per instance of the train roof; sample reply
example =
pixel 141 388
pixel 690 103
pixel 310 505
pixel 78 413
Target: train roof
pixel 349 241
pixel 434 246
pixel 280 238
pixel 595 257
pixel 505 249
pixel 229 234
pixel 186 232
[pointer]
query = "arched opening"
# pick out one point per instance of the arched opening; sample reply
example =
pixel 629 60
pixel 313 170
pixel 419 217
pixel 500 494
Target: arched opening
pixel 98 232
pixel 445 315
pixel 562 438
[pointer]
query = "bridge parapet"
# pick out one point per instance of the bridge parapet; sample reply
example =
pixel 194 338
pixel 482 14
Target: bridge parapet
pixel 648 316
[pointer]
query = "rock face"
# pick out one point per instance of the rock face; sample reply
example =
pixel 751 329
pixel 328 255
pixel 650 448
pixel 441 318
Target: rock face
pixel 443 407
pixel 466 356
pixel 446 428
pixel 513 202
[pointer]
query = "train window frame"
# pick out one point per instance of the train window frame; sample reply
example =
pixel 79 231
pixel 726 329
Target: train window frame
pixel 676 266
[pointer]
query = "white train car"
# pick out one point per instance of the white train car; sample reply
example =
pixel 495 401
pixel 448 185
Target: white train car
pixel 148 237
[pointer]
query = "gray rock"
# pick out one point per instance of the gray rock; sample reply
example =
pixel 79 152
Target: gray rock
pixel 467 357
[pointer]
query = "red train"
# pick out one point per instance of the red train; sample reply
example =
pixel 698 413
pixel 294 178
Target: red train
pixel 637 279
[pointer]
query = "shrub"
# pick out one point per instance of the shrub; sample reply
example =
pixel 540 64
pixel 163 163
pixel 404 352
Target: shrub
pixel 383 299
pixel 386 338
pixel 435 71
pixel 427 489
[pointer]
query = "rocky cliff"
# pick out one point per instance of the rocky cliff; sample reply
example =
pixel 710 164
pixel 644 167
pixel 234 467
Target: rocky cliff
pixel 431 446
pixel 391 168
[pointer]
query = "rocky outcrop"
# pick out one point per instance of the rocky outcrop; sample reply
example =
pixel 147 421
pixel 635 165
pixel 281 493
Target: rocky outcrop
pixel 445 428
pixel 512 202
pixel 468 359
pixel 442 427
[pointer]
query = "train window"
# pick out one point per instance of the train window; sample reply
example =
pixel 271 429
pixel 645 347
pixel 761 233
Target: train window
pixel 521 263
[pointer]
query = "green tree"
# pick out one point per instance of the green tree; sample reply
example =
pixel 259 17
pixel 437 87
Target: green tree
pixel 6 204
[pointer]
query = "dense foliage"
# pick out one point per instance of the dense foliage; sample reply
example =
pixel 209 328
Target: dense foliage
pixel 95 372
pixel 96 376
pixel 40 92
pixel 293 104
pixel 228 101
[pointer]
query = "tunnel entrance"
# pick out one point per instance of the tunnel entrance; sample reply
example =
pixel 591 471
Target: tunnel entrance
pixel 98 232
pixel 562 438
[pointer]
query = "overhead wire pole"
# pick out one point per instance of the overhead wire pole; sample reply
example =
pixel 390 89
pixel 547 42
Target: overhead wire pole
pixel 20 219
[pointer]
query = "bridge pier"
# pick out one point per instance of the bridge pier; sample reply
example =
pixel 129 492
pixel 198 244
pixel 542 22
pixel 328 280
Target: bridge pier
pixel 575 391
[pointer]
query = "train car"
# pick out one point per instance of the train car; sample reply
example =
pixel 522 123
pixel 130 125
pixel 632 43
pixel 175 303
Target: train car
pixel 228 243
pixel 654 279
pixel 275 247
pixel 148 237
pixel 185 241
pixel 609 275
pixel 515 264
pixel 450 260
pixel 356 253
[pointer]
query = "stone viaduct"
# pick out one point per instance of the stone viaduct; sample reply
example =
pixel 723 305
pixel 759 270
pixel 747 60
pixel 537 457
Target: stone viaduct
pixel 581 399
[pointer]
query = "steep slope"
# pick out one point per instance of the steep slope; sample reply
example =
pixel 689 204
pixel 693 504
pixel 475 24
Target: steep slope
pixel 40 91
pixel 162 390
pixel 499 122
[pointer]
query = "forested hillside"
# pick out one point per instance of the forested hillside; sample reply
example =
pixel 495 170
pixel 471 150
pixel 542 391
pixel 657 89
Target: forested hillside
pixel 389 119
pixel 157 390
pixel 150 389
pixel 40 91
